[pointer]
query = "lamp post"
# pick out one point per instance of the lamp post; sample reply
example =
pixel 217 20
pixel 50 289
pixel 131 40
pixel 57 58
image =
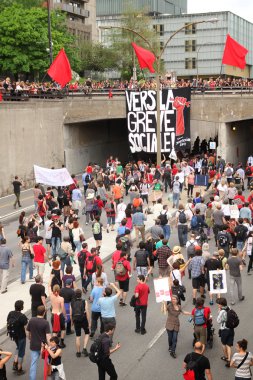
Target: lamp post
pixel 49 32
pixel 157 77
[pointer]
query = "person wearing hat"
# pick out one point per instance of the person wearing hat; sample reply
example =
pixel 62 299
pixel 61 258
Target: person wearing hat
pixel 176 256
pixel 212 264
pixel 68 294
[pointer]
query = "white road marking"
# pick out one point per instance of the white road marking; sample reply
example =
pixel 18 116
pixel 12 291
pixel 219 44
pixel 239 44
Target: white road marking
pixel 156 337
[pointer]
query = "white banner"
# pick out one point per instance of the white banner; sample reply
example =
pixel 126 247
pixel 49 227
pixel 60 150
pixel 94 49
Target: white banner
pixel 52 177
pixel 162 289
pixel 218 281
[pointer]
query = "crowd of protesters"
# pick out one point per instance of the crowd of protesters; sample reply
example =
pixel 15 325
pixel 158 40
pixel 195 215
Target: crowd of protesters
pixel 126 195
pixel 12 87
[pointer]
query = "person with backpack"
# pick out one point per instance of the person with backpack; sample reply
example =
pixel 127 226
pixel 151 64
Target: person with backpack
pixel 235 266
pixel 101 354
pixel 86 178
pixel 197 363
pixel 197 222
pixel 241 233
pixel 141 261
pixel 182 225
pixel 80 317
pixel 196 266
pixel 81 257
pixel 200 316
pixel 190 250
pixel 229 171
pixel 242 361
pixel 224 240
pixel 110 209
pixel 97 231
pixel 228 321
pixel 90 267
pixel 16 322
pixel 164 218
pixel 122 274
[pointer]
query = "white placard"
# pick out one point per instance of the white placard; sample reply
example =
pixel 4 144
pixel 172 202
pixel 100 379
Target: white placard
pixel 52 177
pixel 218 281
pixel 162 289
pixel 212 145
pixel 234 212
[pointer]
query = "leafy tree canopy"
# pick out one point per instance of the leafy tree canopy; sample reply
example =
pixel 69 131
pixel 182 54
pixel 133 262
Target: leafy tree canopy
pixel 24 38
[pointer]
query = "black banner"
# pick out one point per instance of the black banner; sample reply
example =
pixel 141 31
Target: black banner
pixel 174 118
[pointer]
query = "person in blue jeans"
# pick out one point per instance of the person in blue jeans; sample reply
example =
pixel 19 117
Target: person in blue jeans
pixel 26 261
pixel 39 332
pixel 172 324
pixel 97 292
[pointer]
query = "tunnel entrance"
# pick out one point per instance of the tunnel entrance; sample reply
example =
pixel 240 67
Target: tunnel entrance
pixel 239 141
pixel 94 142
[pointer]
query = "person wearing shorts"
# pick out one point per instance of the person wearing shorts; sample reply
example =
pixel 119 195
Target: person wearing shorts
pixel 81 322
pixel 226 334
pixel 200 330
pixel 123 279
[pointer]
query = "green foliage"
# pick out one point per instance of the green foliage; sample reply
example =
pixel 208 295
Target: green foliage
pixel 24 39
pixel 96 57
pixel 24 3
pixel 121 39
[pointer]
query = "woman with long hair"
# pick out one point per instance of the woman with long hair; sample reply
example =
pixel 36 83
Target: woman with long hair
pixel 99 274
pixel 26 259
pixel 4 358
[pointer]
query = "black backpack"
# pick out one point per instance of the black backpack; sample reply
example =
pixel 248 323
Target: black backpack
pixel 87 178
pixel 192 364
pixel 13 326
pixel 78 310
pixel 223 240
pixel 82 258
pixel 241 233
pixel 182 217
pixel 163 219
pixel 95 354
pixel 232 319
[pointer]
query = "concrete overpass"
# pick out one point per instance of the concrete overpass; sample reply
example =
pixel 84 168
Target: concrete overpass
pixel 73 131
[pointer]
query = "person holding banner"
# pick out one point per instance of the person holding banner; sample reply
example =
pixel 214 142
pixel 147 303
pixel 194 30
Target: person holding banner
pixel 172 324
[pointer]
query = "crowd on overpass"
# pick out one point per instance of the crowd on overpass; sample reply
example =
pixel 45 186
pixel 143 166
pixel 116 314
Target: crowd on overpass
pixel 127 194
pixel 13 88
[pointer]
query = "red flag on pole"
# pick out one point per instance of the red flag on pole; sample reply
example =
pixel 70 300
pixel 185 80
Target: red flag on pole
pixel 234 53
pixel 145 57
pixel 60 69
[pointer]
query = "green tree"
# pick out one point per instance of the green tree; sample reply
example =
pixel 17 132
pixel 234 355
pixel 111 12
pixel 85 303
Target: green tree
pixel 24 40
pixel 121 40
pixel 96 57
pixel 24 3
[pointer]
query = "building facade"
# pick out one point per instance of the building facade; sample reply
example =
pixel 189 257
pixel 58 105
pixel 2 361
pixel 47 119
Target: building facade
pixel 196 51
pixel 154 7
pixel 81 17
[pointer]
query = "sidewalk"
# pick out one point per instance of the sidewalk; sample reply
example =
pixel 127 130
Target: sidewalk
pixel 17 291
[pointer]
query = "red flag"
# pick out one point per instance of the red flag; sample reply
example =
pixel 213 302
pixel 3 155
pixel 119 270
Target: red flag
pixel 145 57
pixel 234 53
pixel 60 69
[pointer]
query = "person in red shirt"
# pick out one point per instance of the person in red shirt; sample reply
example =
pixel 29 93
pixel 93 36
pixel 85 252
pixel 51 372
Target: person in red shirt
pixel 141 293
pixel 201 315
pixel 39 256
pixel 239 199
pixel 123 277
pixel 90 267
pixel 72 186
pixel 116 254
pixel 99 205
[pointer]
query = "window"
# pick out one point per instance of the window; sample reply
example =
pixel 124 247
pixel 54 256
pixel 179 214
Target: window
pixel 159 28
pixel 190 63
pixel 191 29
pixel 190 45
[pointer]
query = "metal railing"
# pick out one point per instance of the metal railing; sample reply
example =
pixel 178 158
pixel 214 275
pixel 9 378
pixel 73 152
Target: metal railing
pixel 62 94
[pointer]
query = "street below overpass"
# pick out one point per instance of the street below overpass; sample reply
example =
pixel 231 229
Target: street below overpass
pixel 144 356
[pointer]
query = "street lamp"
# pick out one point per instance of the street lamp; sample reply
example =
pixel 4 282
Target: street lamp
pixel 49 32
pixel 157 77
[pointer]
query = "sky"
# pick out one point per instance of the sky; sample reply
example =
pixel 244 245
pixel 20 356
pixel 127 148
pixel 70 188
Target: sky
pixel 243 8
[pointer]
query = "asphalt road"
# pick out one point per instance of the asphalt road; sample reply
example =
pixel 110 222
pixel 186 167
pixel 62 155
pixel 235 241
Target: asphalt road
pixel 147 357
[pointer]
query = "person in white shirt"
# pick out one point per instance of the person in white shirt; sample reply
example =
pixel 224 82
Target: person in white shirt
pixel 180 175
pixel 250 160
pixel 48 234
